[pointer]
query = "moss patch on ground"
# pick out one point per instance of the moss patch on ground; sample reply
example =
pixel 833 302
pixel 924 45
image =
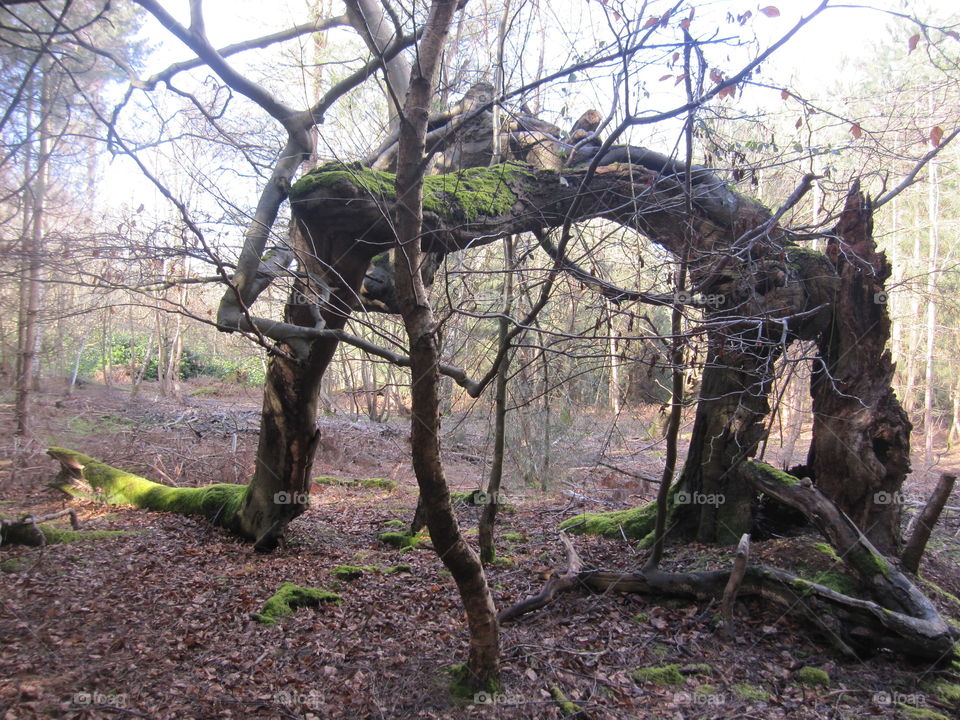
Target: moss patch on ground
pixel 403 540
pixel 12 565
pixel 658 675
pixel 567 707
pixel 635 523
pixel 363 483
pixel 916 713
pixel 463 687
pixel 946 691
pixel 290 597
pixel 352 572
pixel 750 693
pixel 812 677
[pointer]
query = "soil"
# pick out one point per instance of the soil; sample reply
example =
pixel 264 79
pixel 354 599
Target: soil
pixel 158 623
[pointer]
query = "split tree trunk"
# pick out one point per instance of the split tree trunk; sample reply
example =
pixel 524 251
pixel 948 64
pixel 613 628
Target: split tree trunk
pixel 860 452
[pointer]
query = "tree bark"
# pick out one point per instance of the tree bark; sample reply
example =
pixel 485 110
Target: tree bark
pixel 463 563
pixel 860 452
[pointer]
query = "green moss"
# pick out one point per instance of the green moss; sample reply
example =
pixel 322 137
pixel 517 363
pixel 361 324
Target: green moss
pixel 395 524
pixel 566 705
pixel 812 676
pixel 945 691
pixel 636 523
pixel 779 475
pixel 397 569
pixel 352 572
pixel 402 540
pixel 839 581
pixel 514 537
pixel 463 685
pixel 641 617
pixel 750 693
pixel 663 675
pixel 63 536
pixel 466 194
pixel 12 565
pixel 827 550
pixel 219 503
pixel 365 483
pixel 868 563
pixel 290 597
pixel 915 713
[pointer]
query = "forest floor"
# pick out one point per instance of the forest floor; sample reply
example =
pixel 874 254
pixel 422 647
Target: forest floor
pixel 157 623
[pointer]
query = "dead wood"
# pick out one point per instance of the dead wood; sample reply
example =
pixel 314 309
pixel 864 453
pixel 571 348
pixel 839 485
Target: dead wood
pixel 928 518
pixel 733 584
pixel 556 584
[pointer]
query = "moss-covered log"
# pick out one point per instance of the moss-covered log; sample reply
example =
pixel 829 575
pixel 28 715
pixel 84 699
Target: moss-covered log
pixel 82 476
pixel 18 532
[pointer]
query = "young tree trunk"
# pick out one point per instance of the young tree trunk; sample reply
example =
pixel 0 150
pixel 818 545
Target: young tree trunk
pixel 463 563
pixel 860 453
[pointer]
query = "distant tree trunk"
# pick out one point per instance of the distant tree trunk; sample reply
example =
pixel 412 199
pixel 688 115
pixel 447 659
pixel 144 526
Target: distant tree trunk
pixel 488 518
pixel 30 267
pixel 860 453
pixel 933 218
pixel 909 394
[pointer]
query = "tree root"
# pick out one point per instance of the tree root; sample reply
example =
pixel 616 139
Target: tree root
pixel 902 619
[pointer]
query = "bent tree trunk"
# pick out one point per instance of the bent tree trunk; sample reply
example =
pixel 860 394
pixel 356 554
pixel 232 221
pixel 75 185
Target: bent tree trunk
pixel 767 290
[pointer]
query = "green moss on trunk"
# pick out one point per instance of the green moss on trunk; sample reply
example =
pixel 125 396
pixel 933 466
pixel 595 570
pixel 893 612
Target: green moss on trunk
pixel 466 194
pixel 219 503
pixel 290 597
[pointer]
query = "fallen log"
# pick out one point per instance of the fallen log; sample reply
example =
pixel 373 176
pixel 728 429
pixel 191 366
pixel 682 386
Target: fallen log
pixel 900 619
pixel 82 476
